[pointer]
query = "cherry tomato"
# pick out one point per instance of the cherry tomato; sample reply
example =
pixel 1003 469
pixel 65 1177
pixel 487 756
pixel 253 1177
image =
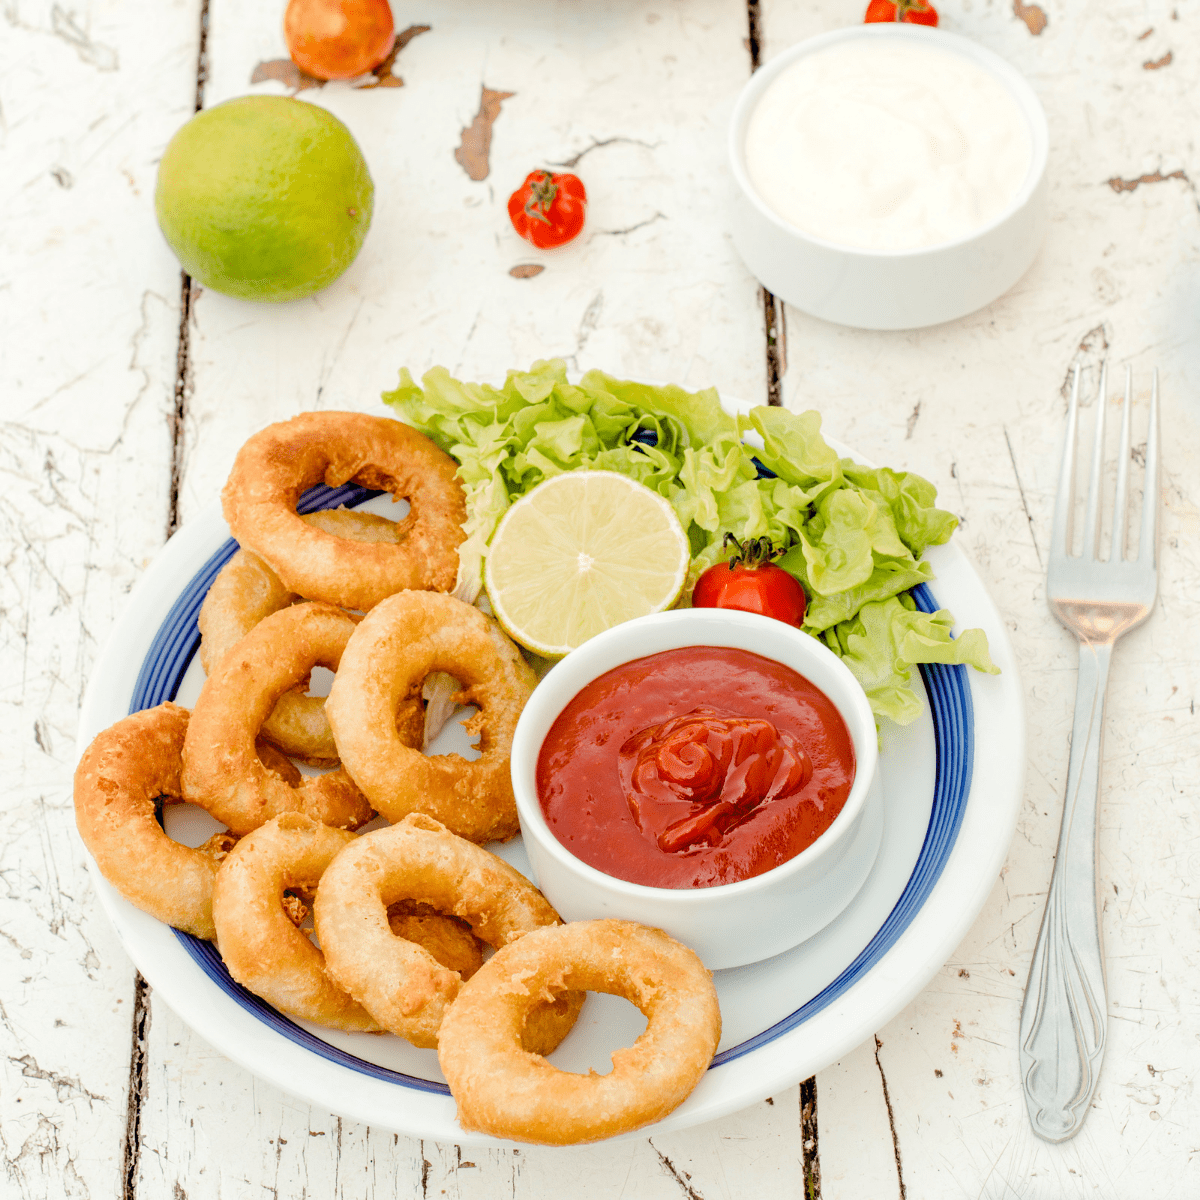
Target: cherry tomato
pixel 547 209
pixel 912 12
pixel 751 583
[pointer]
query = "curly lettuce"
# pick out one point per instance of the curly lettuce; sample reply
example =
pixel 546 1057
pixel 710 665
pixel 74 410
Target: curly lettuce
pixel 854 536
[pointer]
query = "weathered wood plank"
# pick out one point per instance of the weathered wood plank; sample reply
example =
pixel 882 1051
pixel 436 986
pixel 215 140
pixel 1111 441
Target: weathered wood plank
pixel 653 289
pixel 286 1148
pixel 857 1156
pixel 978 406
pixel 89 308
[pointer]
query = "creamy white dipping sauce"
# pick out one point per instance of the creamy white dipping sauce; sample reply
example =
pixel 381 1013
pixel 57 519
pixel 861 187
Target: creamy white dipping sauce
pixel 887 146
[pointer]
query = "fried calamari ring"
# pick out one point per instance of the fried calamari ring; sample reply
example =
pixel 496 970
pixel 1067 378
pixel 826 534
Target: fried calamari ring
pixel 504 1090
pixel 398 982
pixel 398 643
pixel 121 775
pixel 221 772
pixel 277 762
pixel 448 939
pixel 244 593
pixel 279 463
pixel 261 946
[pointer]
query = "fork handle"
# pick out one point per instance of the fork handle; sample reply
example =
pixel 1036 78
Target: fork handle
pixel 1064 1015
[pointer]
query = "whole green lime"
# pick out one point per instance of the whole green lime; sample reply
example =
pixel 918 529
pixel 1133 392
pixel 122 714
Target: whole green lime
pixel 264 197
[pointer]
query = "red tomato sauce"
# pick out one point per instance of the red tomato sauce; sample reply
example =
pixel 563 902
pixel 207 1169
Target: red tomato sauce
pixel 694 767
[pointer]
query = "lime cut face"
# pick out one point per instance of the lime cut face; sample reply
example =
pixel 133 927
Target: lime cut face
pixel 264 198
pixel 581 553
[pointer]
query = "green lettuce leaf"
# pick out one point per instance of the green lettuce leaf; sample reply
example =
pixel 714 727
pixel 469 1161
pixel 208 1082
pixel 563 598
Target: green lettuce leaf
pixel 852 535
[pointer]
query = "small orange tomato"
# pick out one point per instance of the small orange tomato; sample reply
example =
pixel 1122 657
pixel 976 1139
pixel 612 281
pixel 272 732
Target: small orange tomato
pixel 912 12
pixel 338 39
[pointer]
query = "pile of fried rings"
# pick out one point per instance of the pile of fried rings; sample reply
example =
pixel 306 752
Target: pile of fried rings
pixel 402 912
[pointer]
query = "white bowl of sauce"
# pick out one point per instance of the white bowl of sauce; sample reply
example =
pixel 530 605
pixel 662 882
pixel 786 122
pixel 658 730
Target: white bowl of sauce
pixel 888 176
pixel 708 772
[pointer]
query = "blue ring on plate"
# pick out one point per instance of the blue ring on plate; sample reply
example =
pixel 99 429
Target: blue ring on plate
pixel 954 741
pixel 949 694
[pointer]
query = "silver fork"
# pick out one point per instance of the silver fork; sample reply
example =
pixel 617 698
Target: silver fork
pixel 1064 1015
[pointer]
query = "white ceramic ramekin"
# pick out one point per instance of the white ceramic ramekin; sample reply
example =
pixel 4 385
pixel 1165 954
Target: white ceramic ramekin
pixel 735 923
pixel 901 289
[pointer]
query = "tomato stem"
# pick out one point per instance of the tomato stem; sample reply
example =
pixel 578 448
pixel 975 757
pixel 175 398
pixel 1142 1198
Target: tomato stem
pixel 754 552
pixel 541 195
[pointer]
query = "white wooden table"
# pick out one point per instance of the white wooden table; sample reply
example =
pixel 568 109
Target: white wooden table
pixel 123 396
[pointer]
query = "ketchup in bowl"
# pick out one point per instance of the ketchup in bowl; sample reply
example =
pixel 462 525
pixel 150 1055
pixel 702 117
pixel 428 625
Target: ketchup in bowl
pixel 694 767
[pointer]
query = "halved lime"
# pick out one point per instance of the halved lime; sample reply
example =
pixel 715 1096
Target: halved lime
pixel 581 553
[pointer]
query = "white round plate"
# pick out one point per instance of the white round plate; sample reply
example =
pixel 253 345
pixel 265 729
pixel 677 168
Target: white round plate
pixel 952 784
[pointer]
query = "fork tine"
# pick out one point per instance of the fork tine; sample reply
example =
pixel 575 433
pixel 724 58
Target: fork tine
pixel 1060 530
pixel 1147 539
pixel 1120 516
pixel 1091 524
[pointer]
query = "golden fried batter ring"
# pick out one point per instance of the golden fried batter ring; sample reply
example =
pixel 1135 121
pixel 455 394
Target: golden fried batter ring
pixel 279 463
pixel 244 593
pixel 221 772
pixel 119 778
pixel 504 1090
pixel 261 946
pixel 396 646
pixel 398 982
pixel 448 939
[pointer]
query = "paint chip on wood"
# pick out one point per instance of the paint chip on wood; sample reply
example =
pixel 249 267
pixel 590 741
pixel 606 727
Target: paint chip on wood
pixel 1034 18
pixel 1131 185
pixel 383 76
pixel 284 71
pixel 526 270
pixel 476 145
pixel 1158 63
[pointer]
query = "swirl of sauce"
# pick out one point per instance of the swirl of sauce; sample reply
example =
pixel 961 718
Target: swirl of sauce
pixel 690 780
pixel 694 767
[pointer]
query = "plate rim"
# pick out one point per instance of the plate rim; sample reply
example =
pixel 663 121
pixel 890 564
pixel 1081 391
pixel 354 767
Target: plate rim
pixel 922 947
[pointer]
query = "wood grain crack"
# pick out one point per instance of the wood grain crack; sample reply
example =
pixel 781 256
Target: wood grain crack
pixel 776 344
pixel 1024 503
pixel 681 1177
pixel 773 318
pixel 183 372
pixel 187 296
pixel 891 1120
pixel 808 1139
pixel 65 26
pixel 132 1150
pixel 640 225
pixel 426 1167
pixel 754 38
pixel 913 417
pixel 63 1085
pixel 573 161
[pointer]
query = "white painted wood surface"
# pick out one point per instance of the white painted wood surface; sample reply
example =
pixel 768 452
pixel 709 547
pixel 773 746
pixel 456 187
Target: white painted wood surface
pixel 90 309
pixel 88 334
